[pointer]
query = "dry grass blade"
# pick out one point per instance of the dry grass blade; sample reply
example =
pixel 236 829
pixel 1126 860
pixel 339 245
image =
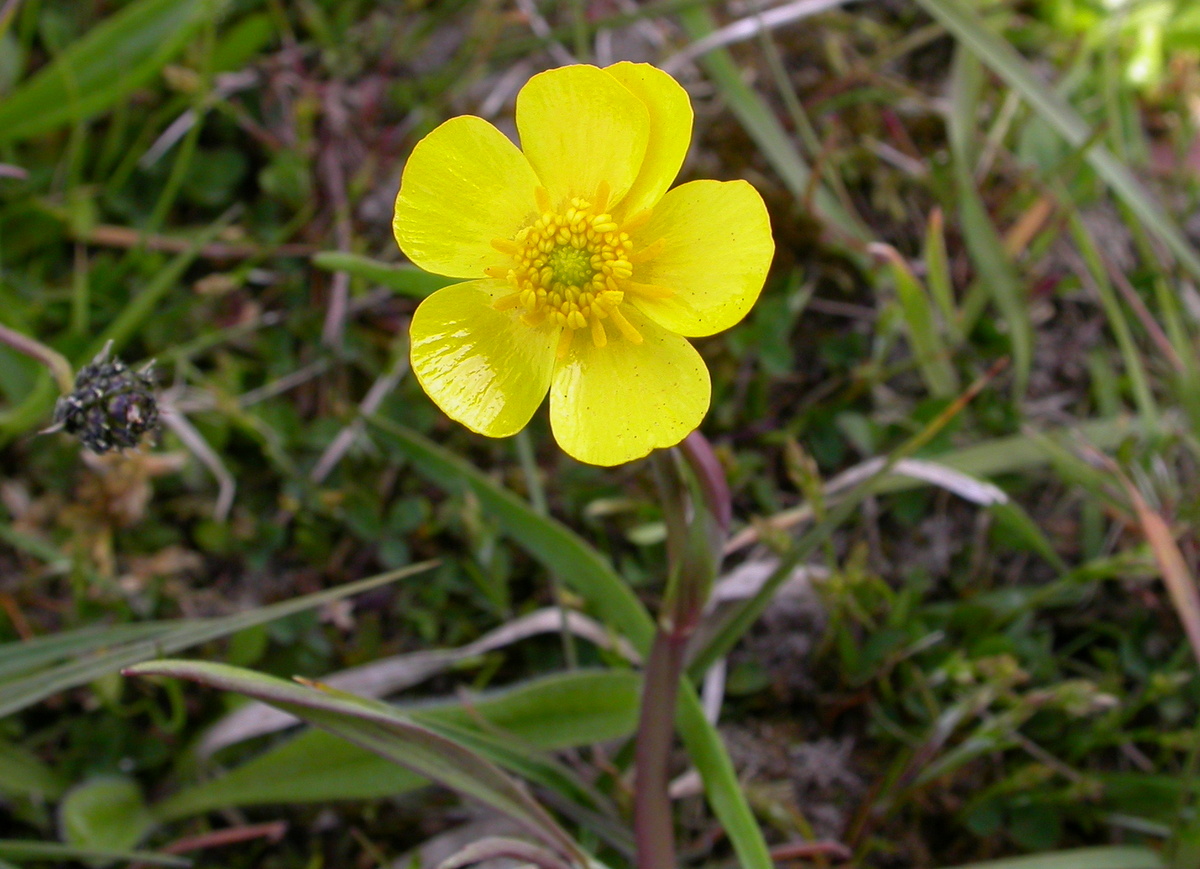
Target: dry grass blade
pixel 1181 585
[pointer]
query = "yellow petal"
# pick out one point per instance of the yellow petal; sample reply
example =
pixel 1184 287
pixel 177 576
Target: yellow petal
pixel 482 367
pixel 580 126
pixel 464 185
pixel 715 252
pixel 670 112
pixel 617 403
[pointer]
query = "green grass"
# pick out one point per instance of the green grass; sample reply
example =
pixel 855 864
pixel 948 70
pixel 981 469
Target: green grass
pixel 961 193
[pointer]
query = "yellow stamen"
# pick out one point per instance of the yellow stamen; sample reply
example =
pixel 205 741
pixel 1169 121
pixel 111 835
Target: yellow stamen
pixel 648 253
pixel 650 291
pixel 599 336
pixel 571 267
pixel 632 335
pixel 564 343
pixel 637 221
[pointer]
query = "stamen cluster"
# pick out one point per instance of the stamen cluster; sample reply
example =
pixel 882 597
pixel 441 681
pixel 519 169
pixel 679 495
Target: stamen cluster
pixel 571 266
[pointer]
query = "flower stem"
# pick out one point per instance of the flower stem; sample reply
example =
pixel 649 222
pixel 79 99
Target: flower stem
pixel 52 359
pixel 695 504
pixel 653 825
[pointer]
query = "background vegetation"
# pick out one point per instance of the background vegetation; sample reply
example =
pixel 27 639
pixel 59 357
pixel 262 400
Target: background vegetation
pixel 984 652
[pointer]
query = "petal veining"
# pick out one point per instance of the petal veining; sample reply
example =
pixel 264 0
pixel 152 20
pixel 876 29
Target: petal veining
pixel 482 366
pixel 715 249
pixel 580 127
pixel 616 403
pixel 670 112
pixel 464 185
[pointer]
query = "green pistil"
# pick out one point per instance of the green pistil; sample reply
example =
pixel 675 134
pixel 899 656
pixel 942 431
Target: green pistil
pixel 572 266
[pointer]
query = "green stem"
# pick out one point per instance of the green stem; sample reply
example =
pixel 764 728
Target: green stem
pixel 653 826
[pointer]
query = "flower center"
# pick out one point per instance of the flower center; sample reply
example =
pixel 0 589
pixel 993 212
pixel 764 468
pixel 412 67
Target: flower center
pixel 573 266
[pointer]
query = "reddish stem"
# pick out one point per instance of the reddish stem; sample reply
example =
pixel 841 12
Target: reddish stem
pixel 653 825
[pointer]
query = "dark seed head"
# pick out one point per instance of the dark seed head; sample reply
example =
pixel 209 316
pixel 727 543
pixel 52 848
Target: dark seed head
pixel 111 406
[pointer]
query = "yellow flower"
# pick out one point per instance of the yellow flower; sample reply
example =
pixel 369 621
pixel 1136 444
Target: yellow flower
pixel 586 274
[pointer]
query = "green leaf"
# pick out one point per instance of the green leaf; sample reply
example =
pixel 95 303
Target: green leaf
pixel 721 784
pixel 581 567
pixel 564 710
pixel 117 56
pixel 21 773
pixel 1109 857
pixel 916 306
pixel 94 653
pixel 556 546
pixel 984 244
pixel 406 280
pixel 18 849
pixel 106 814
pixel 382 729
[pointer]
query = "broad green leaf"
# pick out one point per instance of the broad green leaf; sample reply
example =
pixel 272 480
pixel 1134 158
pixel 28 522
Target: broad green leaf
pixel 107 814
pixel 117 56
pixel 1109 857
pixel 384 730
pixel 407 280
pixel 565 710
pixel 313 767
pixel 17 849
pixel 23 774
pixel 91 655
pixel 966 26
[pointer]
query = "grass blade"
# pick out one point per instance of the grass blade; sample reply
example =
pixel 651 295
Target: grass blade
pixel 582 567
pixel 721 784
pixel 18 849
pixel 115 58
pixel 983 241
pixel 551 542
pixel 966 26
pixel 16 694
pixel 916 307
pixel 384 731
pixel 768 133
